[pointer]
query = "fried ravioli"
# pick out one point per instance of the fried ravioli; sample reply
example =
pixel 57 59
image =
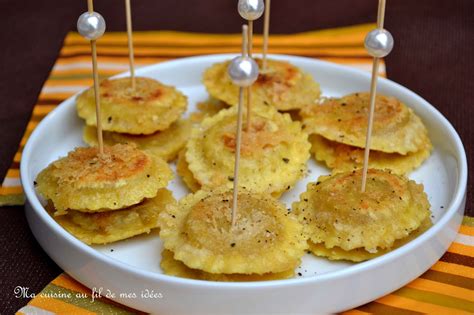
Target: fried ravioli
pixel 176 268
pixel 396 128
pixel 336 214
pixel 85 181
pixel 187 176
pixel 265 239
pixel 283 86
pixel 274 151
pixel 165 144
pixel 341 157
pixel 150 107
pixel 112 226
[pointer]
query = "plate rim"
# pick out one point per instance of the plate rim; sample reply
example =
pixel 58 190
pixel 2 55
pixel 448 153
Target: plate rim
pixel 451 209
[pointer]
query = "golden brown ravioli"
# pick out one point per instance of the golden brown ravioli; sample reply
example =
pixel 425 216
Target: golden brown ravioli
pixel 283 86
pixel 150 107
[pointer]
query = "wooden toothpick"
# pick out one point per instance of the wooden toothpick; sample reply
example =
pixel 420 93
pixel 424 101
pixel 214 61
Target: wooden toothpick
pixel 128 12
pixel 266 31
pixel 249 90
pixel 95 72
pixel 239 134
pixel 373 92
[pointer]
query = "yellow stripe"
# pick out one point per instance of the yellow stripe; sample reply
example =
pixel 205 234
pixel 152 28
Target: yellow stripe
pixel 417 306
pixel 461 249
pixel 57 306
pixel 56 95
pixel 43 109
pixel 442 288
pixel 85 82
pixel 13 173
pixel 11 190
pixel 455 269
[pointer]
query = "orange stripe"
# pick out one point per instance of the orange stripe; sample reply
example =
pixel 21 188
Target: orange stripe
pixel 56 95
pixel 442 288
pixel 117 59
pixel 67 282
pixel 468 230
pixel 461 249
pixel 417 306
pixel 455 269
pixel 84 82
pixel 10 190
pixel 43 109
pixel 164 51
pixel 17 157
pixel 57 306
pixel 13 173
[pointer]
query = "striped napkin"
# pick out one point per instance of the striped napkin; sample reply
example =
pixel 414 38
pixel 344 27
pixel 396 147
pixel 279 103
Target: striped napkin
pixel 447 288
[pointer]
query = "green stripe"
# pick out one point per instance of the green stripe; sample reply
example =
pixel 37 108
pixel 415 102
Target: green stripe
pixel 436 298
pixel 469 221
pixel 74 298
pixel 379 308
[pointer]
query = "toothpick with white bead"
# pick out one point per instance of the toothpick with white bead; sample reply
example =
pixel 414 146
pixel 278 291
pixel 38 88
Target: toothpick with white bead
pixel 243 72
pixel 128 14
pixel 379 43
pixel 266 32
pixel 250 10
pixel 91 25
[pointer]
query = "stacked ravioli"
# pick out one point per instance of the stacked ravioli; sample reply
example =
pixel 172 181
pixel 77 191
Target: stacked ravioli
pixel 281 86
pixel 274 152
pixel 341 222
pixel 148 115
pixel 102 198
pixel 338 127
pixel 266 242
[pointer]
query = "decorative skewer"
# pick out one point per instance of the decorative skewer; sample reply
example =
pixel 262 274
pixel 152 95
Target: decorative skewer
pixel 250 10
pixel 128 13
pixel 243 72
pixel 266 31
pixel 378 43
pixel 91 25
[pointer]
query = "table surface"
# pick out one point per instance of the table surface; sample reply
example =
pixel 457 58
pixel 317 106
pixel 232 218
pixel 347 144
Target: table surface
pixel 434 46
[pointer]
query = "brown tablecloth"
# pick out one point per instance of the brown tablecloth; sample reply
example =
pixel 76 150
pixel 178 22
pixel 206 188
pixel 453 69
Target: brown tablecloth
pixel 433 56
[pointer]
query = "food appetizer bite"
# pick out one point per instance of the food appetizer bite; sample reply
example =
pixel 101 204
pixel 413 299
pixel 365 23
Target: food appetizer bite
pixel 274 152
pixel 200 241
pixel 341 222
pixel 282 86
pixel 149 107
pixel 100 198
pixel 338 127
pixel 166 143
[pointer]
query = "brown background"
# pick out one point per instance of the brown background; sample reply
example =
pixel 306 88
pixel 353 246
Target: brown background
pixel 433 56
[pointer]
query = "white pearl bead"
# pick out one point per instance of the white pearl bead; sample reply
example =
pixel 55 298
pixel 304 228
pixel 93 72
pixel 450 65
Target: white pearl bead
pixel 91 25
pixel 243 71
pixel 379 43
pixel 250 9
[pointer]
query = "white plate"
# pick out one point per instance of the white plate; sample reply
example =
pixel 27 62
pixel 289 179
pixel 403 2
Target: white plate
pixel 324 286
